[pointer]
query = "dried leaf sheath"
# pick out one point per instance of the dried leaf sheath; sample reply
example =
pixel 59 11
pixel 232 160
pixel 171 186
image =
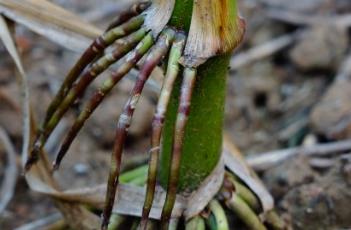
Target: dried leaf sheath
pixel 178 138
pixel 158 122
pixel 215 29
pixel 48 14
pixel 159 50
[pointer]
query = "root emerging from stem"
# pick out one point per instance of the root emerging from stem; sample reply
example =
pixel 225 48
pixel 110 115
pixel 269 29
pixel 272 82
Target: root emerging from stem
pixel 182 118
pixel 154 57
pixel 95 50
pixel 158 123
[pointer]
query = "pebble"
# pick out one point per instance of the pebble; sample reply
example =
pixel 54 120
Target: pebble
pixel 81 169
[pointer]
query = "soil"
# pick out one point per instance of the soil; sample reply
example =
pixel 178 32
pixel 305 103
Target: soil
pixel 276 102
pixel 311 199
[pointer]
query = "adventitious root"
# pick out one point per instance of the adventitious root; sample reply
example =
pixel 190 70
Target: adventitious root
pixel 124 16
pixel 243 192
pixel 131 59
pixel 188 84
pixel 196 223
pixel 158 123
pixel 219 215
pixel 232 195
pixel 115 31
pixel 131 42
pixel 154 57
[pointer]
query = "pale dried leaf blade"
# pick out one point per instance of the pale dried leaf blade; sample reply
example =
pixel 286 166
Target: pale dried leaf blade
pixel 9 43
pixel 39 178
pixel 43 10
pixel 51 21
pixel 129 200
pixel 9 181
pixel 76 40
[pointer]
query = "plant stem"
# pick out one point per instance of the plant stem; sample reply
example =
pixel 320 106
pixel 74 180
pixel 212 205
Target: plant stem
pixel 203 135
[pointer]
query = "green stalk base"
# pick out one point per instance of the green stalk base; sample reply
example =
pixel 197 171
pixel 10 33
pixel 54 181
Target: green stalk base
pixel 203 135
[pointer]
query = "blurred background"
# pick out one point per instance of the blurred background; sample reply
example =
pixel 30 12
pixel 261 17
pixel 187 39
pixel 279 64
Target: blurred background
pixel 289 85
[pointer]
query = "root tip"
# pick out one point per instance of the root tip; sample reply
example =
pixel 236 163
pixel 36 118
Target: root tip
pixel 105 222
pixel 55 166
pixel 27 166
pixel 32 159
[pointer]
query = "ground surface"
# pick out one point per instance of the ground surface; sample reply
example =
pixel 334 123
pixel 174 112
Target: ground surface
pixel 295 96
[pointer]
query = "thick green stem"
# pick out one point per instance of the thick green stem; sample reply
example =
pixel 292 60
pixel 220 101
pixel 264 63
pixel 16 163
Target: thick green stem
pixel 203 135
pixel 182 13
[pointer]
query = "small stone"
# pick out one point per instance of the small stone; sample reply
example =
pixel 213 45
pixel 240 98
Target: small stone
pixel 332 115
pixel 81 169
pixel 323 47
pixel 281 179
pixel 309 210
